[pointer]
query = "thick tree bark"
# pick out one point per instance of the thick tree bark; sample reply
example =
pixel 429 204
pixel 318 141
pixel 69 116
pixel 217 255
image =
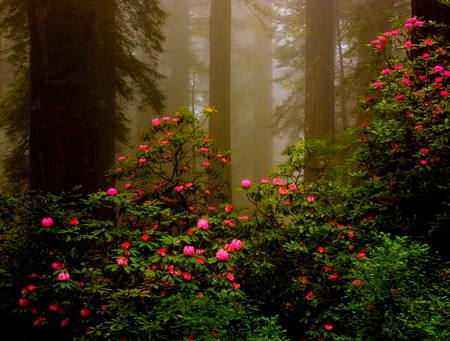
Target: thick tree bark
pixel 63 141
pixel 263 109
pixel 319 77
pixel 220 76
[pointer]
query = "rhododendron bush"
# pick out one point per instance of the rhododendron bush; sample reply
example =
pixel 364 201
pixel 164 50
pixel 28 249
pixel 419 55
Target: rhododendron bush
pixel 164 256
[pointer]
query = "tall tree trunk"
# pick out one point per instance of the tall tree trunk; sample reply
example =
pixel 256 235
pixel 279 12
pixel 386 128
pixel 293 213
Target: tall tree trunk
pixel 319 78
pixel 178 51
pixel 263 108
pixel 220 76
pixel 63 141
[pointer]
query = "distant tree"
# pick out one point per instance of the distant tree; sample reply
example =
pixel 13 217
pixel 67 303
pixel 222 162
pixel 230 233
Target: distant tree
pixel 81 61
pixel 220 75
pixel 319 75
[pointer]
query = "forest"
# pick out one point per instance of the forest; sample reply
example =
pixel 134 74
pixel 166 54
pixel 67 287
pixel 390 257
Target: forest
pixel 202 170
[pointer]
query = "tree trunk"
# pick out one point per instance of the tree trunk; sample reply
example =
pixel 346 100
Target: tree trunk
pixel 263 108
pixel 319 77
pixel 220 76
pixel 63 141
pixel 179 54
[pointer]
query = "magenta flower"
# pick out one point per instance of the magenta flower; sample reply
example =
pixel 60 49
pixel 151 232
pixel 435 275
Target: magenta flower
pixel 424 150
pixel 406 81
pixel 438 68
pixel 333 277
pixel 377 84
pixel 444 93
pixel 310 296
pixel 426 55
pixel 166 119
pixel 127 186
pixel 47 222
pixel 236 244
pixel 277 182
pixel 399 97
pixel 156 122
pixel 328 327
pixel 121 158
pixel 142 160
pixel 206 164
pixel 179 188
pixel 408 26
pixel 408 44
pixel 428 42
pixel 265 180
pixel 85 312
pixel 419 23
pixel 187 276
pixel 293 187
pixel 222 255
pixel 230 276
pixel 63 276
pixel 395 32
pixel 112 192
pixel 203 224
pixel 145 237
pixel 398 67
pixel 246 183
pixel 320 249
pixel 310 199
pixel 122 261
pixel 188 250
pixel 423 162
pixel 65 322
pixel 23 302
pixel 386 71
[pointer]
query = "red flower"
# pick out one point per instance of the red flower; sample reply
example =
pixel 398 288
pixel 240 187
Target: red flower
pixel 85 312
pixel 126 245
pixel 162 252
pixel 145 237
pixel 320 249
pixel 73 222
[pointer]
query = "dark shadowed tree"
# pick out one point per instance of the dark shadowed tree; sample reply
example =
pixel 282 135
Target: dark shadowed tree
pixel 220 75
pixel 81 65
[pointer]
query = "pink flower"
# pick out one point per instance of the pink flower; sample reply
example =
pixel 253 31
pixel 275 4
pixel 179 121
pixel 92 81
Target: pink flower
pixel 207 192
pixel 200 251
pixel 283 191
pixel 244 217
pixel 229 222
pixel 277 182
pixel 408 44
pixel 127 186
pixel 23 302
pixel 438 79
pixel 204 149
pixel 228 209
pixel 419 23
pixel 265 180
pixel 236 286
pixel 398 67
pixel 424 150
pixel 47 222
pixel 351 234
pixel 156 122
pixel 203 224
pixel 162 252
pixel 310 296
pixel 188 250
pixel 143 160
pixel 377 84
pixel 395 33
pixel 320 249
pixel 57 265
pixel 122 261
pixel 31 287
pixel 382 39
pixel 63 276
pixel 112 192
pixel 412 20
pixel 65 322
pixel 236 244
pixel 328 327
pixel 438 68
pixel 230 276
pixel 39 320
pixel 126 245
pixel 179 188
pixel 145 237
pixel 333 277
pixel 399 97
pixel 423 162
pixel 426 55
pixel 361 255
pixel 166 119
pixel 73 221
pixel 187 276
pixel 444 93
pixel 428 42
pixel 406 81
pixel 121 158
pixel 222 255
pixel 447 73
pixel 422 77
pixel 85 312
pixel 386 71
pixel 246 183
pixel 206 164
pixel 310 199
pixel 293 187
pixel 408 26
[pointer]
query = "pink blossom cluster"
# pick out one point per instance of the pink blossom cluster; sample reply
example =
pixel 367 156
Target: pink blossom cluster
pixel 63 276
pixel 222 255
pixel 203 224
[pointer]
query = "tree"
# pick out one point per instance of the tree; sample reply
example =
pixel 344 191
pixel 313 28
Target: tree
pixel 319 75
pixel 81 61
pixel 220 75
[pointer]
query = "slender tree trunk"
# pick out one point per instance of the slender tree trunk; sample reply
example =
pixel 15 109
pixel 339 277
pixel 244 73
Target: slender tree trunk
pixel 263 136
pixel 342 89
pixel 63 142
pixel 319 78
pixel 220 76
pixel 178 50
